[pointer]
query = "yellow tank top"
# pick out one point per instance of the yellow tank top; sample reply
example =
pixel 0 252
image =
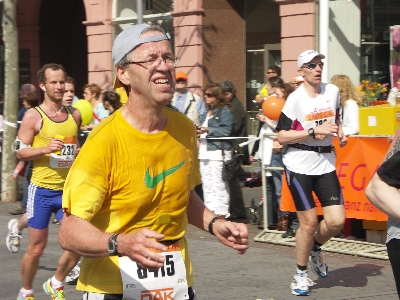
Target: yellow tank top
pixel 51 170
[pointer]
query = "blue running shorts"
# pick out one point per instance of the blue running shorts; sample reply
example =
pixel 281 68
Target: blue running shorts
pixel 41 204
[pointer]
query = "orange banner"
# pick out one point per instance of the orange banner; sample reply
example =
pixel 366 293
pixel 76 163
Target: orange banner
pixel 355 165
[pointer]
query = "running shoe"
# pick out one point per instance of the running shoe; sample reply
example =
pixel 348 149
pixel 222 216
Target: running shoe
pixel 13 236
pixel 300 284
pixel 72 277
pixel 289 233
pixel 317 264
pixel 56 294
pixel 26 297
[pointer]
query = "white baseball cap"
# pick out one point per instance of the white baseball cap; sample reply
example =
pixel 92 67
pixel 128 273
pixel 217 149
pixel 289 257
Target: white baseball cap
pixel 307 56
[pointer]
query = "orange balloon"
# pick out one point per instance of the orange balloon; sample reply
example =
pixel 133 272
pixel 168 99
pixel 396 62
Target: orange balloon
pixel 272 107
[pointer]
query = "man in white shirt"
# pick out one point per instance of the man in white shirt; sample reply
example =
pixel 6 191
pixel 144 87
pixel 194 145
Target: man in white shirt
pixel 185 101
pixel 306 127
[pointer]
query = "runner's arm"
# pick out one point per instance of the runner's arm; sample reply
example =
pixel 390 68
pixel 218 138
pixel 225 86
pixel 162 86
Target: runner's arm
pixel 30 125
pixel 293 136
pixel 384 197
pixel 81 237
pixel 230 234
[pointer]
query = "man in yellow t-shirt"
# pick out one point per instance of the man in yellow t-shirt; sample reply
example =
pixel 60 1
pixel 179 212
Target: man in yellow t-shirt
pixel 130 194
pixel 260 97
pixel 263 93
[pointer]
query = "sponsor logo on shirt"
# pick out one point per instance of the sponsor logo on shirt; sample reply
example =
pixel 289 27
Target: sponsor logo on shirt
pixel 165 294
pixel 151 181
pixel 320 115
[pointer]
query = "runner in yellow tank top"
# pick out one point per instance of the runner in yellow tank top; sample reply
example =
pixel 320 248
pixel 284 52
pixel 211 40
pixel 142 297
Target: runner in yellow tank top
pixel 48 135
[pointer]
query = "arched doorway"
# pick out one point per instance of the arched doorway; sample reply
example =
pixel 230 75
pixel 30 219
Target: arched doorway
pixel 63 38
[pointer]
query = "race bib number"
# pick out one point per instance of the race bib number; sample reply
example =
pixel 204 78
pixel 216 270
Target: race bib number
pixel 65 158
pixel 167 283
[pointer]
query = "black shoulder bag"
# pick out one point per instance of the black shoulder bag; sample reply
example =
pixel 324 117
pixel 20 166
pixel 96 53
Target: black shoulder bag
pixel 232 168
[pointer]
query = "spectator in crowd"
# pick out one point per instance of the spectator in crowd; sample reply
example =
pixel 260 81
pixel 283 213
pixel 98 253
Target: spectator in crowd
pixel 273 157
pixel 297 81
pixel 260 97
pixel 92 93
pixel 189 104
pixel 237 209
pixel 265 91
pixel 349 104
pixel 217 121
pixel 394 93
pixel 111 101
pixel 185 101
pixel 25 88
pixel 29 100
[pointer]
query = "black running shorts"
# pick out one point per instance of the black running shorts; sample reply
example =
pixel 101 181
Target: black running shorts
pixel 326 187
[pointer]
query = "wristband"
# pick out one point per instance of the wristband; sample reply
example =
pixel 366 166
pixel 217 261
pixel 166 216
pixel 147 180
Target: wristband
pixel 210 225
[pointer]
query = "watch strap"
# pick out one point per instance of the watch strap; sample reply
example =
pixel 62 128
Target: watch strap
pixel 210 225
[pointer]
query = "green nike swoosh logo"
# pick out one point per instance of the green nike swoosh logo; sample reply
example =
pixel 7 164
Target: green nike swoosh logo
pixel 151 182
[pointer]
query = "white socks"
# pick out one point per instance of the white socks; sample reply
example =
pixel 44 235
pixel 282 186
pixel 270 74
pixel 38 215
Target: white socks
pixel 25 292
pixel 55 283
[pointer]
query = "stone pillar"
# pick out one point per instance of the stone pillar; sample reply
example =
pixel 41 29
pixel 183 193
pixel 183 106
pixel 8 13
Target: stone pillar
pixel 188 20
pixel 99 36
pixel 298 33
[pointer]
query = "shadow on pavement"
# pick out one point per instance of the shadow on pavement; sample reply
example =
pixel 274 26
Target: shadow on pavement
pixel 356 276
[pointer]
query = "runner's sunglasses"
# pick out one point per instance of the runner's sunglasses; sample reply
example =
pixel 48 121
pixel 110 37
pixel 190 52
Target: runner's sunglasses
pixel 312 66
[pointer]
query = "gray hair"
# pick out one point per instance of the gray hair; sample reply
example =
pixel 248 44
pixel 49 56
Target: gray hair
pixel 228 86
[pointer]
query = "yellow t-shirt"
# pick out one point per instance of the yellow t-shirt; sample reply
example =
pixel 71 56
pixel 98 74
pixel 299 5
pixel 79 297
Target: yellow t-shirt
pixel 123 97
pixel 42 174
pixel 264 91
pixel 117 184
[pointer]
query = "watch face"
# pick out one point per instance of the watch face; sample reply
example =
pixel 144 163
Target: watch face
pixel 111 247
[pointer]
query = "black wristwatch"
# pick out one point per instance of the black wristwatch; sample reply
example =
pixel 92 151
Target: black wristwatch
pixel 311 132
pixel 113 245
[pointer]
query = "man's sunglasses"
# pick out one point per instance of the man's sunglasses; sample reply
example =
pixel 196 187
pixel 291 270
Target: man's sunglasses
pixel 312 66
